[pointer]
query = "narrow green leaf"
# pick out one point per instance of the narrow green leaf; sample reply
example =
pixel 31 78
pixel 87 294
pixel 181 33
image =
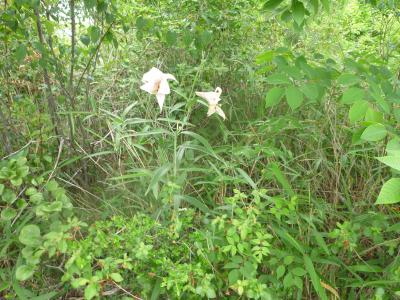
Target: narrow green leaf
pixel 315 279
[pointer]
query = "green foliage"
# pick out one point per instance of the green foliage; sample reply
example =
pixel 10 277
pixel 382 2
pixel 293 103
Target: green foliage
pixel 275 202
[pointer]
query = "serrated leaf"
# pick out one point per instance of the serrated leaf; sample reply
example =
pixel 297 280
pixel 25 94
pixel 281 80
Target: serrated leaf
pixel 273 96
pixel 280 271
pixel 374 133
pixel 390 192
pixel 294 97
pixel 278 78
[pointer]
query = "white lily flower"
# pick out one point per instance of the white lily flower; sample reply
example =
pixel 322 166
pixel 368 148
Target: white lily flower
pixel 155 82
pixel 213 98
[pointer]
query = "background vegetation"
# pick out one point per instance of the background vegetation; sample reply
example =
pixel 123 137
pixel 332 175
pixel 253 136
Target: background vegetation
pixel 294 196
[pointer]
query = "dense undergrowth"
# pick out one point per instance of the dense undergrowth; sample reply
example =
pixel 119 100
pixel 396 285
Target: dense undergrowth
pixel 293 196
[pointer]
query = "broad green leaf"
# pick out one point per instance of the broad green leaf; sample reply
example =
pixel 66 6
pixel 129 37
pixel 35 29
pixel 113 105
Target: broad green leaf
pixel 90 3
pixel 288 281
pixel 310 90
pixel 298 11
pixel 348 79
pixel 9 196
pixel 271 4
pixel 94 33
pixel 391 161
pixel 265 57
pixel 52 186
pixel 374 133
pixel 273 96
pixel 24 272
pixel 315 6
pixel 171 38
pixel 30 236
pixel 85 39
pixel 352 95
pixel 8 214
pixel 390 192
pixel 20 53
pixel 156 289
pixel 298 271
pixel 116 277
pixel 278 78
pixel 91 291
pixel 280 271
pixel 294 97
pixel 233 276
pixel 358 110
pixel 325 4
pixel 373 116
pixel 392 147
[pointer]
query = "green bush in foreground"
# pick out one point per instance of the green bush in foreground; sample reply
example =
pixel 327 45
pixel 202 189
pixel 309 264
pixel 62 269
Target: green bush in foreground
pixel 244 249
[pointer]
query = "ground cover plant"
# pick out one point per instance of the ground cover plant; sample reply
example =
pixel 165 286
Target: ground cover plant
pixel 199 149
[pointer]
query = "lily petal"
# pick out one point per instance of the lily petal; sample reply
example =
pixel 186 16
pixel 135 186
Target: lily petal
pixel 160 100
pixel 220 112
pixel 211 109
pixel 169 77
pixel 164 87
pixel 153 75
pixel 211 97
pixel 149 87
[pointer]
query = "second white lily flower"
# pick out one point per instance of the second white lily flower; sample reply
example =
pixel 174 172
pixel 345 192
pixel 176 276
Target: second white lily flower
pixel 213 98
pixel 155 82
